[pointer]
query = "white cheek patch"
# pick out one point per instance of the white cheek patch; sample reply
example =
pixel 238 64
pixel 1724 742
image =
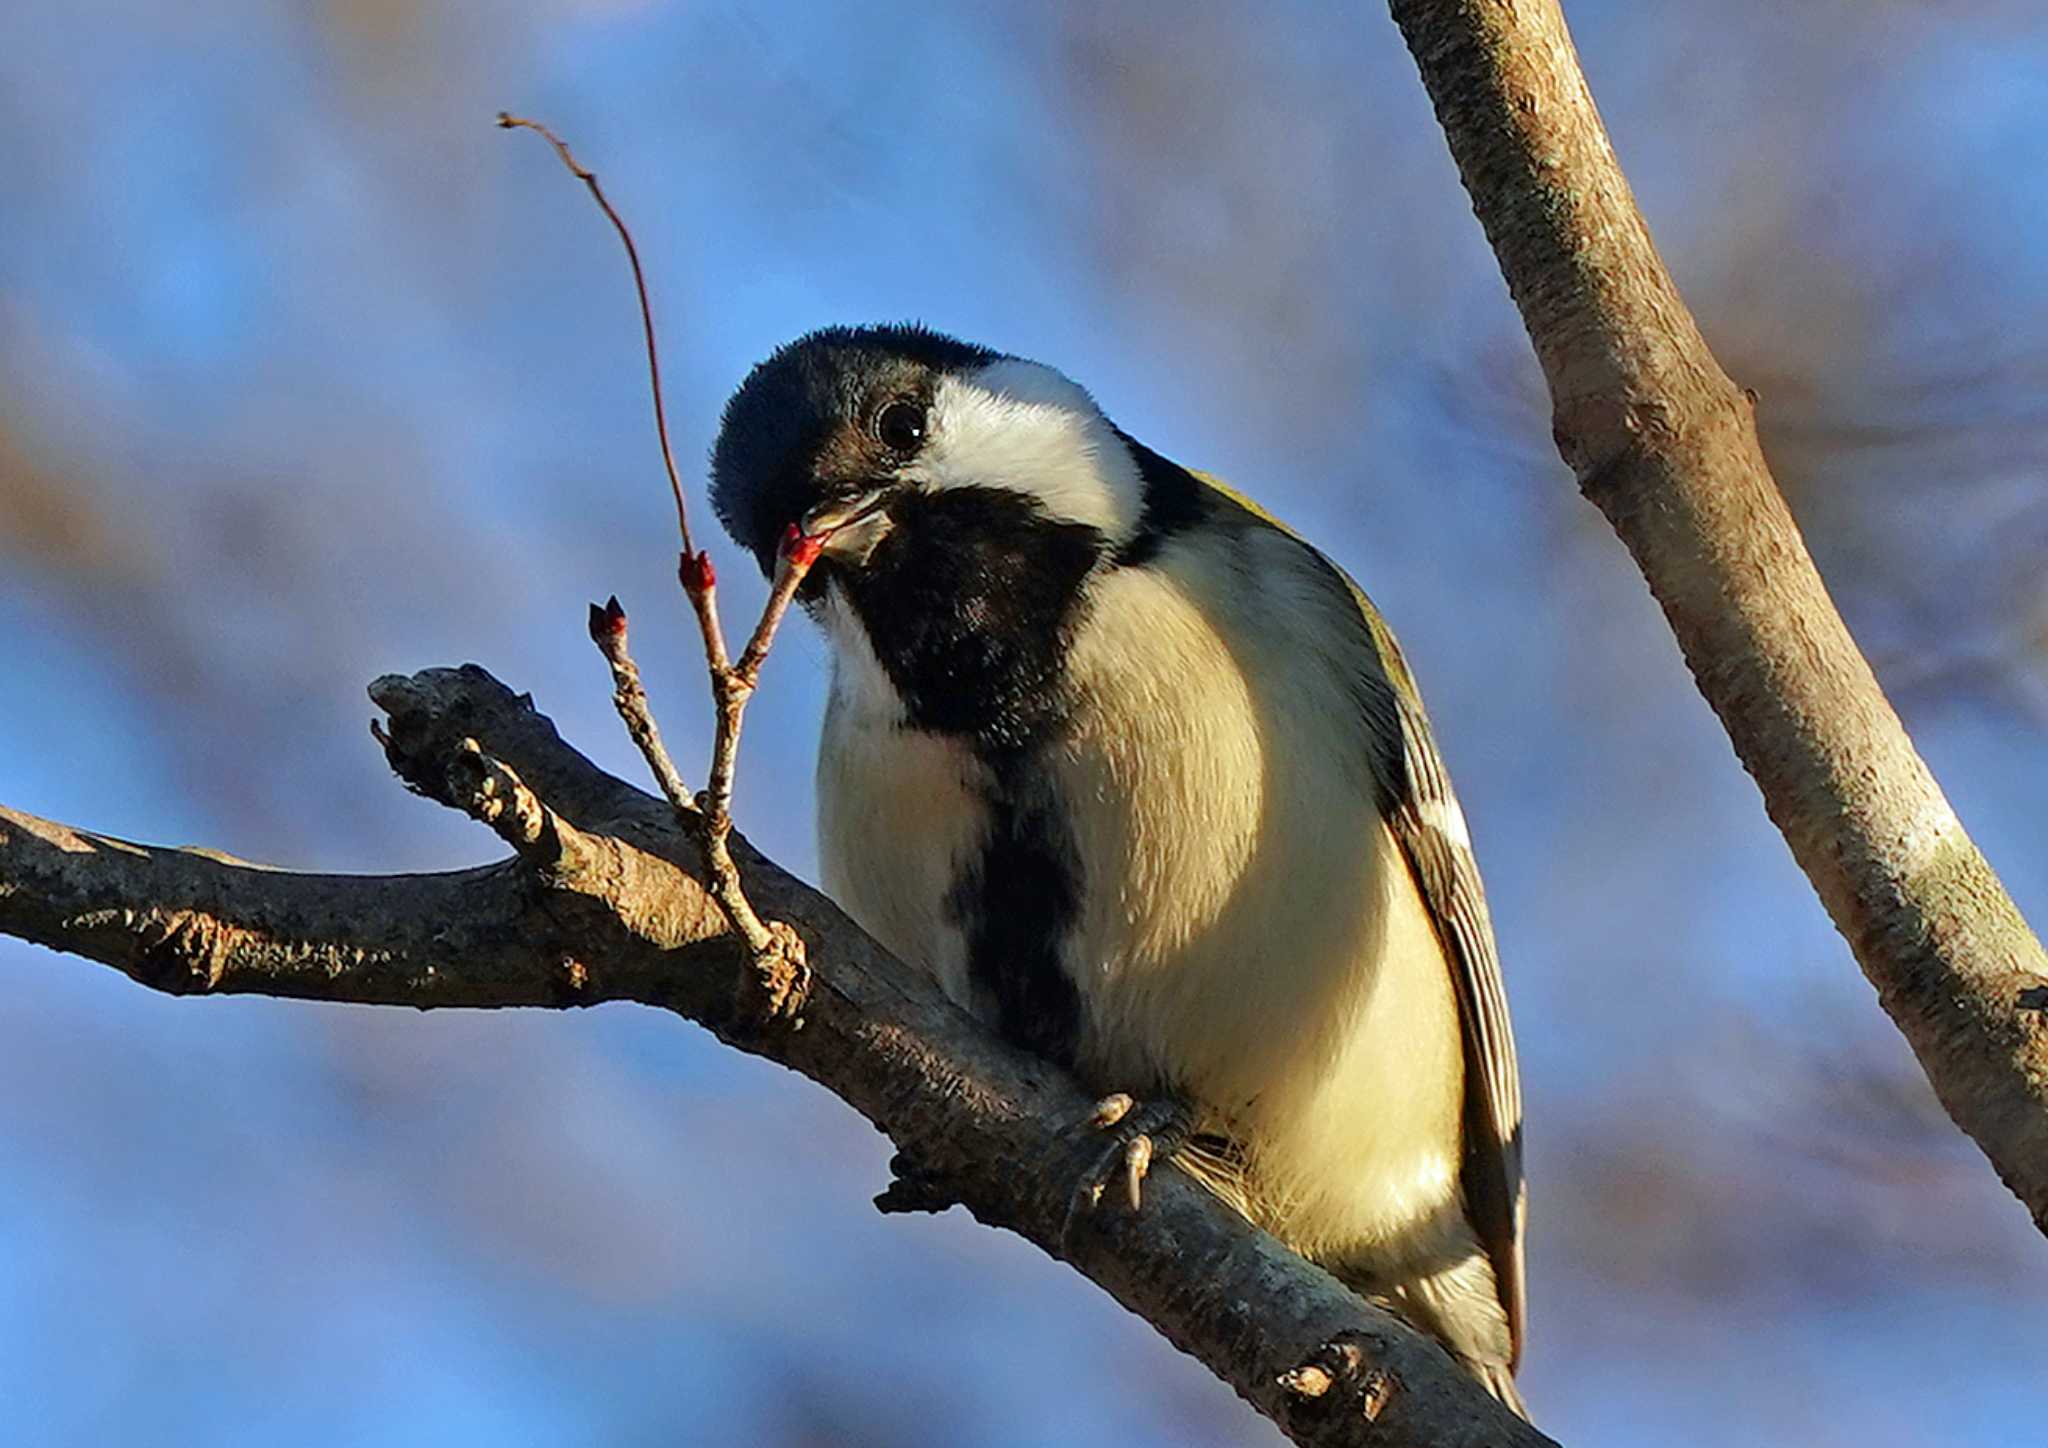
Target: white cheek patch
pixel 1022 426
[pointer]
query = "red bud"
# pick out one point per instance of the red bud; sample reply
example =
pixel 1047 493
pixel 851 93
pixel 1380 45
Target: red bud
pixel 697 574
pixel 608 621
pixel 801 548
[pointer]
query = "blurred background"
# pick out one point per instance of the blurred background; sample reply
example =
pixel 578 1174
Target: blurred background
pixel 307 374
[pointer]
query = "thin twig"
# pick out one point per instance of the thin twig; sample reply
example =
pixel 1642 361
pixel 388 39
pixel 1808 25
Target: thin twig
pixel 792 565
pixel 733 686
pixel 589 178
pixel 780 976
pixel 608 632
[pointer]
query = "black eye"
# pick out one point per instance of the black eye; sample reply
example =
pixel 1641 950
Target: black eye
pixel 900 426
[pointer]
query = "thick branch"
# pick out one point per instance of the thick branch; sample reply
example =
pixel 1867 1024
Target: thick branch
pixel 1666 446
pixel 604 901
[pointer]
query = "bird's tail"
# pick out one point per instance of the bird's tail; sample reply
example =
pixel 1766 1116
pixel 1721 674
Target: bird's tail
pixel 1459 1308
pixel 1499 1379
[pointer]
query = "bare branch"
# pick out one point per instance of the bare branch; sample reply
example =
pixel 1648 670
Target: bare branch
pixel 608 632
pixel 604 900
pixel 732 686
pixel 791 567
pixel 780 975
pixel 589 178
pixel 1665 445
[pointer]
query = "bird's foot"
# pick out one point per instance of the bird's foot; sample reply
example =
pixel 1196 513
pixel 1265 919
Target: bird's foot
pixel 1139 1134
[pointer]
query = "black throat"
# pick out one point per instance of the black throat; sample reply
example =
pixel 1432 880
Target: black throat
pixel 970 603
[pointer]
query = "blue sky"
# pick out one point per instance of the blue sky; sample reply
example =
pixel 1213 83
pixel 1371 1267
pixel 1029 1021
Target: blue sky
pixel 307 374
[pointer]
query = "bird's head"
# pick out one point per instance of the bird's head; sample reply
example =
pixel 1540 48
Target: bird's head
pixel 853 434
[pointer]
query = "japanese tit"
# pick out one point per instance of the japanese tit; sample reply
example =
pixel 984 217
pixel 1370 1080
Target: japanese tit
pixel 1142 779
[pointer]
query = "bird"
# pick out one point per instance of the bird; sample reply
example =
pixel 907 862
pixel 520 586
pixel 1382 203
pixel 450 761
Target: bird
pixel 1141 779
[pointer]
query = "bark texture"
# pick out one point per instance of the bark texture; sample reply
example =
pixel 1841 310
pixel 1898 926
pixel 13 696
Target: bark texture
pixel 604 900
pixel 1666 446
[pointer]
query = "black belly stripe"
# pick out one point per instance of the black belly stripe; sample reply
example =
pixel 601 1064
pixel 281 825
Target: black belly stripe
pixel 970 603
pixel 1019 902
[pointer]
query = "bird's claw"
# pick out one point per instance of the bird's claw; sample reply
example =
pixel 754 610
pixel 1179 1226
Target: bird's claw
pixel 1113 1108
pixel 1137 1162
pixel 1140 1134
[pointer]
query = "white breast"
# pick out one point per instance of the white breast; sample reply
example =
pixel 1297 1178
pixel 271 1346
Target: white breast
pixel 900 812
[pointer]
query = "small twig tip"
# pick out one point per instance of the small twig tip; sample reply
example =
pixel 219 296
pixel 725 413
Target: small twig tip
pixel 801 548
pixel 697 573
pixel 607 621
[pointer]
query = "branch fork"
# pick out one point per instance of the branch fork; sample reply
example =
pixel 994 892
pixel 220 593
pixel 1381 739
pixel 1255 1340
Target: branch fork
pixel 781 975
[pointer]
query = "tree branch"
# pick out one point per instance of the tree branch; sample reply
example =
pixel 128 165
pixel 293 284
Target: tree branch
pixel 1666 446
pixel 604 900
pixel 781 974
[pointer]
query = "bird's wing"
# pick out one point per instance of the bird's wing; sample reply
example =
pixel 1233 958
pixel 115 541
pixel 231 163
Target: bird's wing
pixel 1425 818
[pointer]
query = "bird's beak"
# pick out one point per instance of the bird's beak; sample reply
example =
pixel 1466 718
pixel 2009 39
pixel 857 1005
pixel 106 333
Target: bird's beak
pixel 838 523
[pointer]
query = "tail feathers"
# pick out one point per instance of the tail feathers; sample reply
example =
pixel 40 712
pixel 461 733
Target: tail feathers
pixel 1458 1306
pixel 1499 1379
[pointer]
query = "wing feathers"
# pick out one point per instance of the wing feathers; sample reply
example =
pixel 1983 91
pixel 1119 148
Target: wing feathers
pixel 1424 814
